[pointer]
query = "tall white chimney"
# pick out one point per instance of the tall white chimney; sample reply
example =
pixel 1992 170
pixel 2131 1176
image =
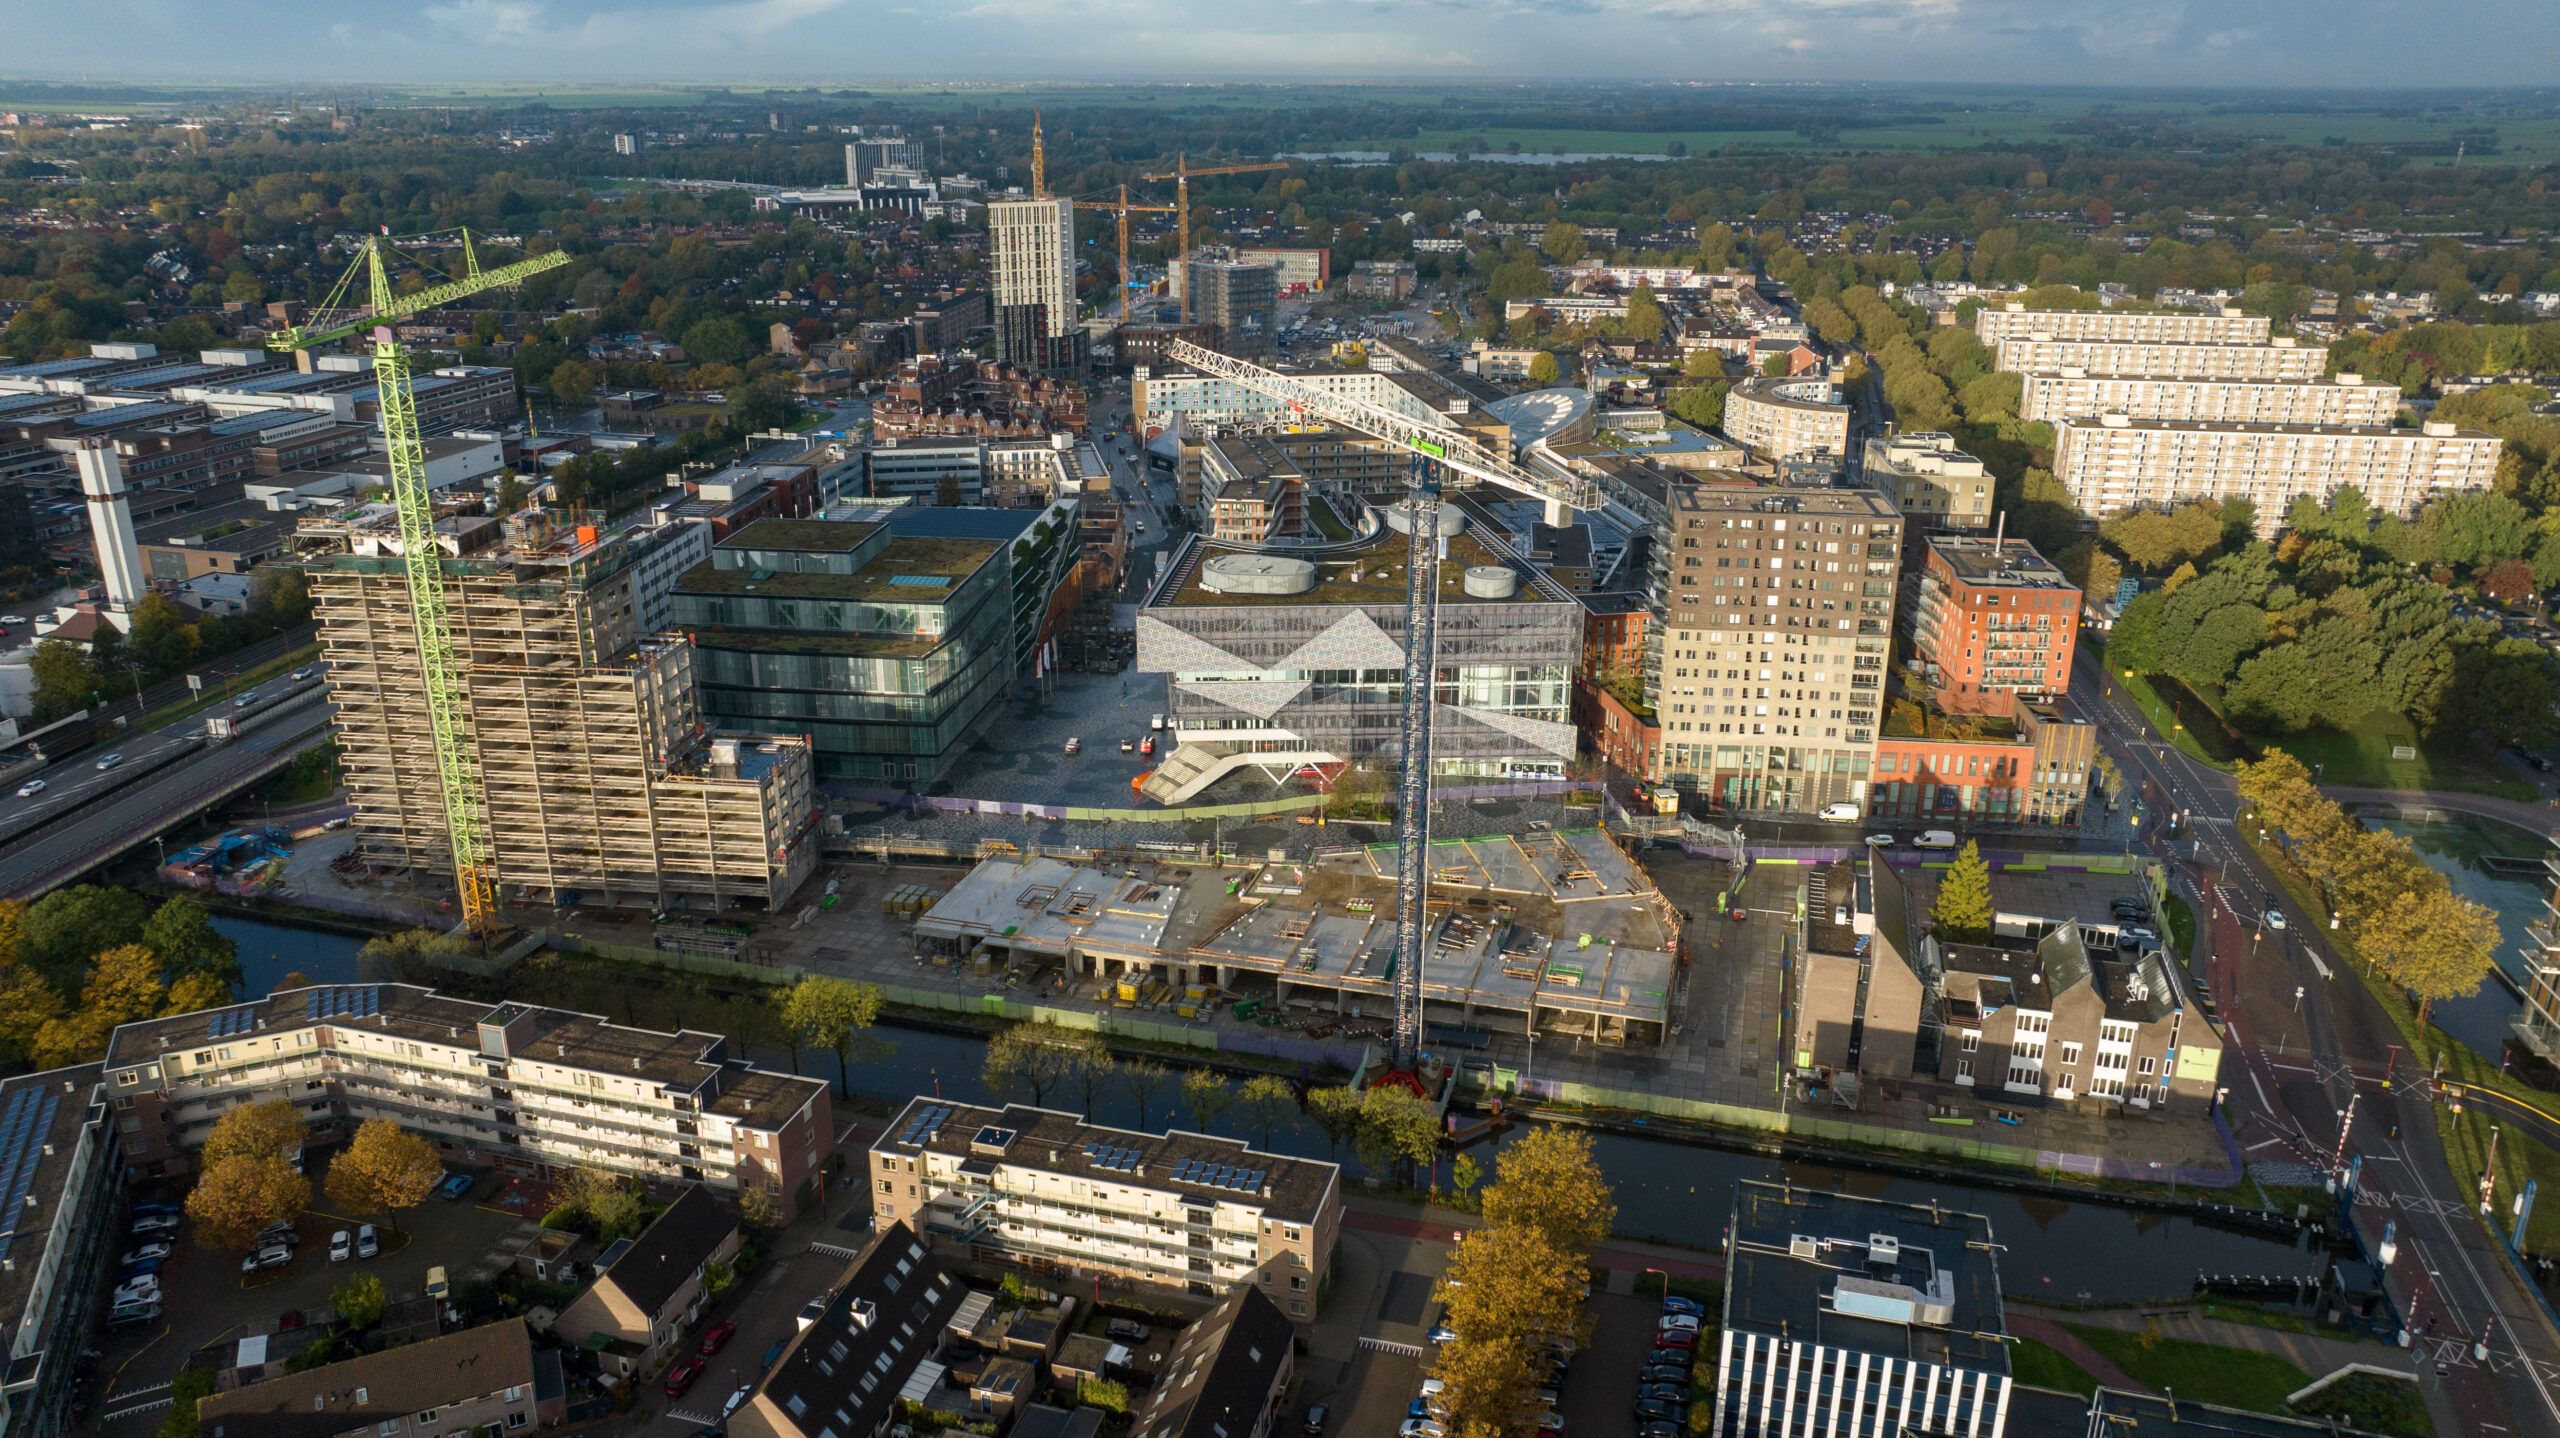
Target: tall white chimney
pixel 111 522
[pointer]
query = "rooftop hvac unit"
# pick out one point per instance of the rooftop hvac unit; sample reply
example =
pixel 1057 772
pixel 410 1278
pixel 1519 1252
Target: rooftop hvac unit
pixel 1884 1249
pixel 1804 1246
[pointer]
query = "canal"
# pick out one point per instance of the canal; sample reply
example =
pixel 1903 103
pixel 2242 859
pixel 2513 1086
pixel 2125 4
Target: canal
pixel 2057 1248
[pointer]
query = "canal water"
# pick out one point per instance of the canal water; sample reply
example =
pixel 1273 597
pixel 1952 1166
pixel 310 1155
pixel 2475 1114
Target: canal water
pixel 2056 1248
pixel 2457 848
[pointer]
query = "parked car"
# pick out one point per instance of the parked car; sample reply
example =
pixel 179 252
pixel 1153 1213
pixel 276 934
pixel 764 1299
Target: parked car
pixel 155 1225
pixel 289 1320
pixel 110 761
pixel 455 1188
pixel 125 1315
pixel 1935 839
pixel 1155 721
pixel 368 1243
pixel 681 1375
pixel 1654 1410
pixel 1677 1323
pixel 1075 746
pixel 1683 1341
pixel 737 1400
pixel 773 1355
pixel 274 1255
pixel 1676 1304
pixel 1838 814
pixel 1126 1330
pixel 717 1336
pixel 133 1289
pixel 1676 1394
pixel 342 1246
pixel 155 1208
pixel 1881 841
pixel 284 1231
pixel 147 1252
pixel 1128 746
pixel 1315 1420
pixel 132 1269
pixel 1147 746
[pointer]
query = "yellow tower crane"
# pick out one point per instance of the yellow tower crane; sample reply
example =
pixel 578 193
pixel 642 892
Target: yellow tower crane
pixel 1124 210
pixel 448 717
pixel 1182 174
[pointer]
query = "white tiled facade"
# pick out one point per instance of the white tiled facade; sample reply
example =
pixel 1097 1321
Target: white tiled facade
pixel 1031 253
pixel 2077 394
pixel 2171 359
pixel 1786 418
pixel 1995 323
pixel 2113 464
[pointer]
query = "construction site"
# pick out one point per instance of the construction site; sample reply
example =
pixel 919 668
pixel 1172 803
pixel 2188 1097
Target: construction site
pixel 1545 933
pixel 592 770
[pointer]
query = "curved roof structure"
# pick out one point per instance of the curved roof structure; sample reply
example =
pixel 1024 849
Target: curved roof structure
pixel 1542 415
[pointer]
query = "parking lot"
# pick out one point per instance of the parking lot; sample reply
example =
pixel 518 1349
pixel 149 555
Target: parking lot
pixel 207 1302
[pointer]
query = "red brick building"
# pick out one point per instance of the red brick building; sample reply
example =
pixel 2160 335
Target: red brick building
pixel 1993 622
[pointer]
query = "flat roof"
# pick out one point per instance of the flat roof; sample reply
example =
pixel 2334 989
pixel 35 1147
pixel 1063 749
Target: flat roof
pixel 818 536
pixel 2215 426
pixel 1996 564
pixel 946 560
pixel 1373 574
pixel 1048 905
pixel 1192 1165
pixel 1796 1252
pixel 41 1115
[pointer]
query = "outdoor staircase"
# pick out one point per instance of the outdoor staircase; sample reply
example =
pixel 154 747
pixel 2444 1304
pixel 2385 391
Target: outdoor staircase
pixel 1195 764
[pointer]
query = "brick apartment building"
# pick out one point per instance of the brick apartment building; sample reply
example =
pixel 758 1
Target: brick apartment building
pixel 1992 622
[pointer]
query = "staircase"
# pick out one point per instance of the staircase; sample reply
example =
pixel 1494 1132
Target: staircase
pixel 1195 764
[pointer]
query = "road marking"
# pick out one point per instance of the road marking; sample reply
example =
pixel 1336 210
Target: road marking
pixel 137 1410
pixel 1388 1345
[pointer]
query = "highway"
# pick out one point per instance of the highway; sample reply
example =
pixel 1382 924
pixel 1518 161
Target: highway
pixel 149 801
pixel 2484 1350
pixel 88 775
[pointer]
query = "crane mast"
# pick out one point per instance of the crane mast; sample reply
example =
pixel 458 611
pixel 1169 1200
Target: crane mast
pixel 1433 446
pixel 448 711
pixel 1182 174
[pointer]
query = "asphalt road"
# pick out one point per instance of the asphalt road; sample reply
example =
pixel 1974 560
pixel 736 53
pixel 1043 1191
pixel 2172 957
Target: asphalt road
pixel 54 853
pixel 2485 1351
pixel 89 776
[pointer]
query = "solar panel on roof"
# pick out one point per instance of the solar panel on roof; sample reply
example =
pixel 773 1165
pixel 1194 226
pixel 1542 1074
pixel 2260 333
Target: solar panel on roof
pixel 23 1123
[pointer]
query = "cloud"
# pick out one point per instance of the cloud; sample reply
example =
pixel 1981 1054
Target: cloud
pixel 489 22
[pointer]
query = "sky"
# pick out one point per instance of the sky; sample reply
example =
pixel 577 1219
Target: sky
pixel 2206 43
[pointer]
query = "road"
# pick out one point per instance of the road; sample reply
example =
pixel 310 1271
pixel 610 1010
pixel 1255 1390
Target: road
pixel 2485 1351
pixel 56 852
pixel 90 775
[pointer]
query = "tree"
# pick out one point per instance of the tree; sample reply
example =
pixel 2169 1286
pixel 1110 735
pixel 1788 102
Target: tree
pixel 1548 1182
pixel 1108 1394
pixel 258 1130
pixel 28 1002
pixel 65 680
pixel 191 1386
pixel 2509 582
pixel 1562 242
pixel 360 1301
pixel 1397 1130
pixel 1141 1079
pixel 1205 1095
pixel 183 937
pixel 609 1205
pixel 1465 1173
pixel 1775 366
pixel 1508 1291
pixel 717 340
pixel 2438 947
pixel 123 986
pixel 234 1200
pixel 1336 1110
pixel 1700 404
pixel 1542 368
pixel 1266 1100
pixel 1034 1057
pixel 64 928
pixel 383 1169
pixel 573 383
pixel 833 1014
pixel 1962 913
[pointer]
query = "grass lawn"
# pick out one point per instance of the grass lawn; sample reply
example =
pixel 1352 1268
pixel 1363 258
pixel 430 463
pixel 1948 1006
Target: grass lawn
pixel 2360 757
pixel 2465 1135
pixel 2203 1372
pixel 2371 1403
pixel 2037 1366
pixel 1327 523
pixel 2171 707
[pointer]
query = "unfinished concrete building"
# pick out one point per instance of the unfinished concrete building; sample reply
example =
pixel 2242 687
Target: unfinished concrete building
pixel 595 769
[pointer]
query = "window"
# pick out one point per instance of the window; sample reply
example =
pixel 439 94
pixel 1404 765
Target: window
pixel 888 1187
pixel 2147 1066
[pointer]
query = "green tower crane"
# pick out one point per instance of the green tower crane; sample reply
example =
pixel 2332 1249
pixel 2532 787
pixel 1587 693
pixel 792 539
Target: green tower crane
pixel 448 717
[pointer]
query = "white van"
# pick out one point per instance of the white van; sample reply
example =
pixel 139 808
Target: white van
pixel 1935 839
pixel 1838 814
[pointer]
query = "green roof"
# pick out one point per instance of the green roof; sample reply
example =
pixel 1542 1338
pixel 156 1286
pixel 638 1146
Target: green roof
pixel 1381 569
pixel 818 536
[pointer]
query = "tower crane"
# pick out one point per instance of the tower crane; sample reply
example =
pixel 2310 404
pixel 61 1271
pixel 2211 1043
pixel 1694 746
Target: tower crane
pixel 1182 174
pixel 457 763
pixel 1434 446
pixel 1124 210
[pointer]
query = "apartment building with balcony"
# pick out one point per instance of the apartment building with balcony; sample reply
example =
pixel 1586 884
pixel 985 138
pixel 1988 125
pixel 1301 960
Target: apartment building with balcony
pixel 1777 628
pixel 2342 399
pixel 2168 359
pixel 2537 1025
pixel 2112 464
pixel 1994 323
pixel 1788 417
pixel 61 1174
pixel 516 1087
pixel 1050 1192
pixel 1992 622
pixel 1933 483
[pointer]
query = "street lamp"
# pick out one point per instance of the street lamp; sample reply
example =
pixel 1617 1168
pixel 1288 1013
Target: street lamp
pixel 1666 1282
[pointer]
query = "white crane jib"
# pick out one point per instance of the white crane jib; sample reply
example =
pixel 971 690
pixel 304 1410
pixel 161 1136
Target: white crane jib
pixel 1437 438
